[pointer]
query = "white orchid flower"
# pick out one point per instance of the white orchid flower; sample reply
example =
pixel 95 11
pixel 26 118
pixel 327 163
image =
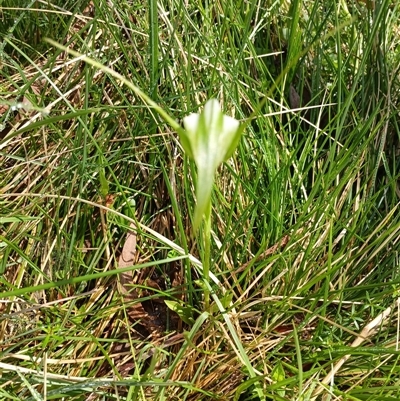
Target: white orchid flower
pixel 209 138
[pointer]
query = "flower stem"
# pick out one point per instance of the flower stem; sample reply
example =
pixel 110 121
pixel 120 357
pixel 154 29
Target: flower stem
pixel 207 255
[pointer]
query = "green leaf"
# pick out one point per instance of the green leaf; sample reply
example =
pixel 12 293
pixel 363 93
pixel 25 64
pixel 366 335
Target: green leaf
pixel 278 375
pixel 295 38
pixel 184 312
pixel 104 188
pixel 17 219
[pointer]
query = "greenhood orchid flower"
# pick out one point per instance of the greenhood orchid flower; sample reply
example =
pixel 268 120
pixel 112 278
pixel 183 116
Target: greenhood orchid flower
pixel 209 138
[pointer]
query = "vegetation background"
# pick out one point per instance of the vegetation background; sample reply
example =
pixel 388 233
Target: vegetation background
pixel 101 297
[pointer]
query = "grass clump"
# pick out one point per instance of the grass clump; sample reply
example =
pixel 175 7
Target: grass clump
pixel 100 271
